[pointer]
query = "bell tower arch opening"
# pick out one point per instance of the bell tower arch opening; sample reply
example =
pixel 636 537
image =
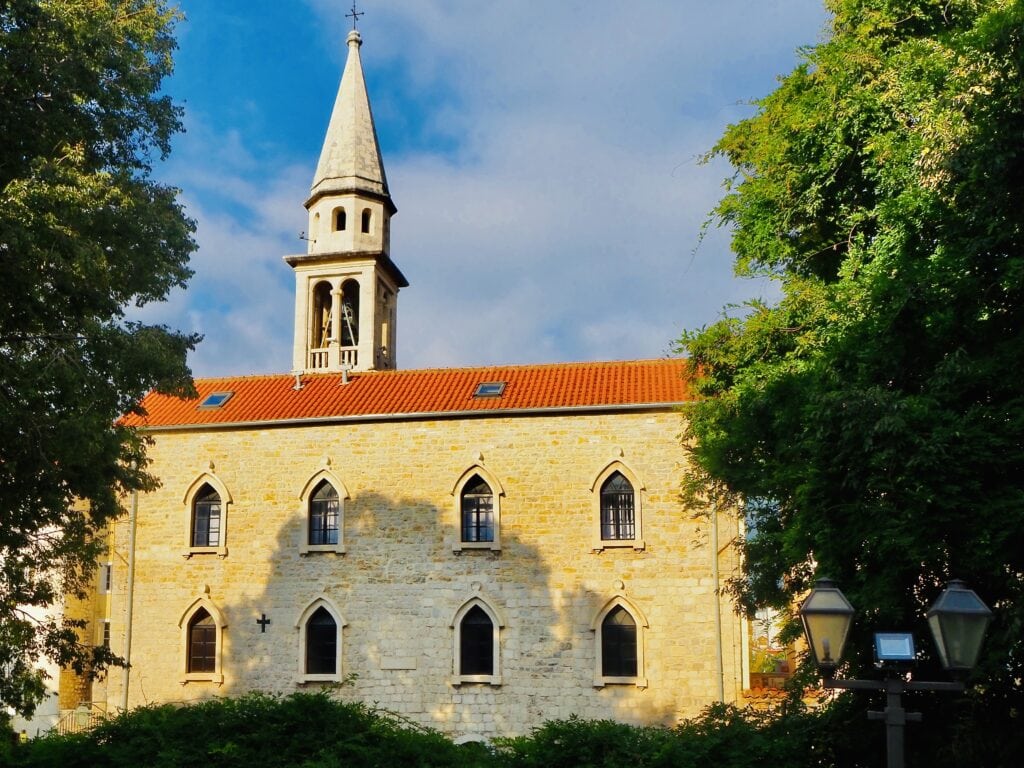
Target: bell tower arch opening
pixel 350 313
pixel 320 332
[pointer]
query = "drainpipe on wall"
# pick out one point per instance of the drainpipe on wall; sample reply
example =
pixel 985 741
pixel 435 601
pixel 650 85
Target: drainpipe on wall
pixel 130 598
pixel 719 666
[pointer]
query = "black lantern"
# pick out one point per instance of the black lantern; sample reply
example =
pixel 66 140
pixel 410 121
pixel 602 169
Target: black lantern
pixel 958 620
pixel 827 616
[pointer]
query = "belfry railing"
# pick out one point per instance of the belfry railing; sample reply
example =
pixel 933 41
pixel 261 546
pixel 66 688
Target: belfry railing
pixel 321 359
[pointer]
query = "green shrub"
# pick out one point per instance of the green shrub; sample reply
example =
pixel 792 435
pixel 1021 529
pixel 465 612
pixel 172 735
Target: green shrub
pixel 7 739
pixel 304 729
pixel 576 743
pixel 722 736
pixel 314 730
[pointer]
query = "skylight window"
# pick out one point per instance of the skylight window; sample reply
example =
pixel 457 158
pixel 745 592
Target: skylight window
pixel 215 399
pixel 489 389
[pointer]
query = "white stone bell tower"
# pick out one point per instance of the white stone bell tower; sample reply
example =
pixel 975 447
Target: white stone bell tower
pixel 346 286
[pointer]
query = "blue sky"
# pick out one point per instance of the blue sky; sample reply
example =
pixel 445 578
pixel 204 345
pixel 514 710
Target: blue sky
pixel 542 156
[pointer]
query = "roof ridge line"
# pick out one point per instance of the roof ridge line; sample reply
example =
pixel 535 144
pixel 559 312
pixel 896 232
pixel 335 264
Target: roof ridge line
pixel 453 369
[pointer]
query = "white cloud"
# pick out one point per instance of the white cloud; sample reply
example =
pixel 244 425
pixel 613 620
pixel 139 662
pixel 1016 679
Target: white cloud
pixel 559 218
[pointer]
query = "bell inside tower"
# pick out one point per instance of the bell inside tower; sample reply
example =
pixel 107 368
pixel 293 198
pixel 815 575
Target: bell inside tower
pixel 349 313
pixel 322 315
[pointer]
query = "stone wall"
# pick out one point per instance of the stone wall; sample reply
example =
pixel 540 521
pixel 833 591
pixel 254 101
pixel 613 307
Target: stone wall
pixel 399 584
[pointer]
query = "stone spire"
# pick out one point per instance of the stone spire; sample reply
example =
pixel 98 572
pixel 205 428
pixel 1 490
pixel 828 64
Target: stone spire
pixel 350 160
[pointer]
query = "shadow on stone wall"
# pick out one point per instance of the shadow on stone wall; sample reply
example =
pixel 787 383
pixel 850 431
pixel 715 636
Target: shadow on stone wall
pixel 398 587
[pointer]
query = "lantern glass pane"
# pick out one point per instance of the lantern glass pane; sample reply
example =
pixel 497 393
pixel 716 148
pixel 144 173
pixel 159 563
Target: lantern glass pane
pixel 827 600
pixel 958 638
pixel 827 635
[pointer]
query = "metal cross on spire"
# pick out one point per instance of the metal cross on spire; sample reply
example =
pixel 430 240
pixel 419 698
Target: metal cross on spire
pixel 354 15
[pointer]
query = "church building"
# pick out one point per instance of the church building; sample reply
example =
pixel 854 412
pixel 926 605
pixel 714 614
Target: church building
pixel 477 549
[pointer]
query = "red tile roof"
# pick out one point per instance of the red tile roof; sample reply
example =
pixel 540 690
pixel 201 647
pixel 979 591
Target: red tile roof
pixel 438 392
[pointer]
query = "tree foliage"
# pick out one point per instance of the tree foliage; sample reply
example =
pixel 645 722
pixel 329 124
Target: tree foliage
pixel 874 416
pixel 85 233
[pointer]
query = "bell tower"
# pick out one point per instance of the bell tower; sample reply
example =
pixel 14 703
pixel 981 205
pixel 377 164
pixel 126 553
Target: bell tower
pixel 346 286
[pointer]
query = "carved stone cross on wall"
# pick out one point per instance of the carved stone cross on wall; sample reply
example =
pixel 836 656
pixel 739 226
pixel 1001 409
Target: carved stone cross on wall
pixel 263 621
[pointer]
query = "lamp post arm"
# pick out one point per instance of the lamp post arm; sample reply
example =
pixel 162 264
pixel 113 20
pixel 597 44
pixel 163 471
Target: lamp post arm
pixel 855 685
pixel 883 685
pixel 926 685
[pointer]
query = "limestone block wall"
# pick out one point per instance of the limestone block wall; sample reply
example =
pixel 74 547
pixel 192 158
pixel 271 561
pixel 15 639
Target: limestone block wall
pixel 93 609
pixel 399 584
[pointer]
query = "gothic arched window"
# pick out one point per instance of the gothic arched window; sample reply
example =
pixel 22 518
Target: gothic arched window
pixel 477 627
pixel 476 644
pixel 617 509
pixel 321 643
pixel 618 644
pixel 322 512
pixel 206 518
pixel 202 642
pixel 477 511
pixel 202 628
pixel 324 506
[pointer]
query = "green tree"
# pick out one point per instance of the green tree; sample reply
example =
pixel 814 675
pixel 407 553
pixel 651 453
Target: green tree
pixel 873 417
pixel 84 234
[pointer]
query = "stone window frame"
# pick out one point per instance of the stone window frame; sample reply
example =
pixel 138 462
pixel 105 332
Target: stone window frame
pixel 600 679
pixel 471 738
pixel 497 622
pixel 104 637
pixel 497 492
pixel 105 574
pixel 219 620
pixel 637 543
pixel 305 495
pixel 320 601
pixel 188 500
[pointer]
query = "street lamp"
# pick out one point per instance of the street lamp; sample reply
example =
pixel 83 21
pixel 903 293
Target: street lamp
pixel 827 616
pixel 958 621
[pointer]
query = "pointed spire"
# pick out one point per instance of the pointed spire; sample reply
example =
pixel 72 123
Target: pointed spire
pixel 350 160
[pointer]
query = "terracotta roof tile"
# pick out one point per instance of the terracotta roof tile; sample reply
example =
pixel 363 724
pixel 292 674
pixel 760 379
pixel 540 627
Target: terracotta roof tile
pixel 442 391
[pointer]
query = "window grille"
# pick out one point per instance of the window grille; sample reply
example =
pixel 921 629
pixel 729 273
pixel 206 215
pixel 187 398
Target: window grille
pixel 206 518
pixel 477 511
pixel 202 642
pixel 618 518
pixel 324 509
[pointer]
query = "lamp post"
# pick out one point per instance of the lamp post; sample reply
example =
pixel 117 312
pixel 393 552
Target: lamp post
pixel 958 621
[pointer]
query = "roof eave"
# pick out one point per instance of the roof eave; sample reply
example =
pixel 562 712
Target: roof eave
pixel 417 416
pixel 325 187
pixel 382 258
